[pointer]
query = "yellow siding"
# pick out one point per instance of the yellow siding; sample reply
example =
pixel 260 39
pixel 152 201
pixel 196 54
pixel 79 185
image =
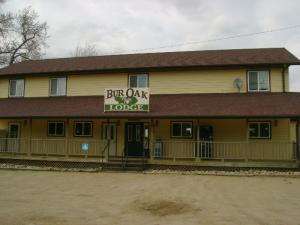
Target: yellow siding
pixel 37 87
pixel 94 84
pixel 224 130
pixel 202 81
pixel 176 82
pixel 234 131
pixel 229 130
pixel 3 125
pixel 23 125
pixel 287 79
pixel 3 88
pixel 293 133
pixel 276 80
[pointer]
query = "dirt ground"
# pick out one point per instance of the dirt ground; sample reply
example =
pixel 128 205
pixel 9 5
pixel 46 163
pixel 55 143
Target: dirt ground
pixel 70 198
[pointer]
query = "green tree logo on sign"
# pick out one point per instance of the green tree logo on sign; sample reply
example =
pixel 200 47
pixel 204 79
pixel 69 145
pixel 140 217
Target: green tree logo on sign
pixel 127 99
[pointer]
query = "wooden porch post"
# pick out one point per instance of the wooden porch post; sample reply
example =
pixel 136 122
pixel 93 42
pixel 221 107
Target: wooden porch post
pixel 198 145
pixel 67 138
pixel 29 137
pixel 152 141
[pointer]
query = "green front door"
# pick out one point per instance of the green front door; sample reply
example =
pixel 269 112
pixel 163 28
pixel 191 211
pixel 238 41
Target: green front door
pixel 134 133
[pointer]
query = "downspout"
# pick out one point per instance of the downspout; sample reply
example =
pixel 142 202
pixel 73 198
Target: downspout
pixel 284 67
pixel 297 142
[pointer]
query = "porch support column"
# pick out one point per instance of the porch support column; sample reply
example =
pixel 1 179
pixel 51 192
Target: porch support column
pixel 67 138
pixel 29 137
pixel 152 141
pixel 198 145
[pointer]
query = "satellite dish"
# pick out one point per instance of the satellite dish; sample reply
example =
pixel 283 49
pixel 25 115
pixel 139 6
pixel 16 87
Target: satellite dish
pixel 238 83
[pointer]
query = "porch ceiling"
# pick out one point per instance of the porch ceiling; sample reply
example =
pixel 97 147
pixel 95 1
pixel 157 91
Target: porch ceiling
pixel 232 105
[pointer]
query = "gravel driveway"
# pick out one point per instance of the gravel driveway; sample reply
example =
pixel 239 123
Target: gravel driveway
pixel 73 198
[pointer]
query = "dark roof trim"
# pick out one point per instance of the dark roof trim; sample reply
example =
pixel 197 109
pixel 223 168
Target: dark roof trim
pixel 230 105
pixel 155 61
pixel 150 69
pixel 157 117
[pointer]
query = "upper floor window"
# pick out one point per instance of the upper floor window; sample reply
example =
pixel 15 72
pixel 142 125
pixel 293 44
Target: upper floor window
pixel 58 86
pixel 138 81
pixel 16 88
pixel 258 81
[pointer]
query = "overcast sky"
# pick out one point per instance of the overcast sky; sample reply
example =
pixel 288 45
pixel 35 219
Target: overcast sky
pixel 123 26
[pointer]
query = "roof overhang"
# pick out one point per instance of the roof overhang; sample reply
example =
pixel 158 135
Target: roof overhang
pixel 231 105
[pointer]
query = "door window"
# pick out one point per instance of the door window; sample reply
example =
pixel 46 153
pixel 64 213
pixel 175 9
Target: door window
pixel 138 133
pixel 130 132
pixel 135 139
pixel 14 130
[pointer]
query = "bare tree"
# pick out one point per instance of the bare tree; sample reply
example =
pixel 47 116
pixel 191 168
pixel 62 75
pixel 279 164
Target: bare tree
pixel 22 36
pixel 88 49
pixel 6 20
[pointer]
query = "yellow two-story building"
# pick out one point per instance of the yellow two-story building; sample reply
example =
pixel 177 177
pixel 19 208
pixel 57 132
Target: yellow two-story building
pixel 220 107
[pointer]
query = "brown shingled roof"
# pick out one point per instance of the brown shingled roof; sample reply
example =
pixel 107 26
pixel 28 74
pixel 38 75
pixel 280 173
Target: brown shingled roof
pixel 232 105
pixel 234 57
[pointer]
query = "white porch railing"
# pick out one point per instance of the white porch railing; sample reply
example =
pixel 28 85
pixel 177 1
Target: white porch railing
pixel 54 147
pixel 167 149
pixel 224 150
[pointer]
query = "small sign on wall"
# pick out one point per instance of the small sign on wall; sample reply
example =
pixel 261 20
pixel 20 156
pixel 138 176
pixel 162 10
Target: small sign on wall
pixel 126 99
pixel 85 146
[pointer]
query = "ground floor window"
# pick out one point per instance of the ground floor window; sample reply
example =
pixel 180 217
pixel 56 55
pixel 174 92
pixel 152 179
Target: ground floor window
pixel 181 129
pixel 259 129
pixel 83 129
pixel 56 128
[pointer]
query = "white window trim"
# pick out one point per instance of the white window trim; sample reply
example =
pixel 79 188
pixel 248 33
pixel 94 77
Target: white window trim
pixel 56 135
pixel 181 136
pixel 16 96
pixel 82 122
pixel 137 74
pixel 50 83
pixel 259 122
pixel 248 81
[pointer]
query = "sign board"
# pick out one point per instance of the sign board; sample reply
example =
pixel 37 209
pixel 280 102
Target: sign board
pixel 85 146
pixel 126 99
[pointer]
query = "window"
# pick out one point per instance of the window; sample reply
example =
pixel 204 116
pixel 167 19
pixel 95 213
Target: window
pixel 181 129
pixel 130 132
pixel 83 129
pixel 138 81
pixel 58 86
pixel 56 129
pixel 259 129
pixel 258 81
pixel 16 88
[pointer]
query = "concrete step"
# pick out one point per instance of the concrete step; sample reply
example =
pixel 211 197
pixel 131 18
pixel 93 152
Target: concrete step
pixel 119 167
pixel 128 163
pixel 132 159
